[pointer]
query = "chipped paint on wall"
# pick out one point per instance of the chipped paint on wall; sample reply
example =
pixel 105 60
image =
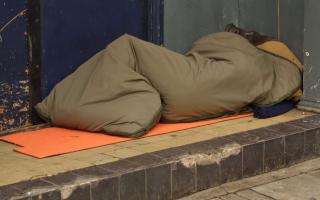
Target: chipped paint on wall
pixel 14 105
pixel 14 73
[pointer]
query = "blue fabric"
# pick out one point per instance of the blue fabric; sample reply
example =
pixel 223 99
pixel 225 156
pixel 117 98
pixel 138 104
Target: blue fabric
pixel 272 111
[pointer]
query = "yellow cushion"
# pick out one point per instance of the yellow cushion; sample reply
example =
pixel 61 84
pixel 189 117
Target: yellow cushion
pixel 280 49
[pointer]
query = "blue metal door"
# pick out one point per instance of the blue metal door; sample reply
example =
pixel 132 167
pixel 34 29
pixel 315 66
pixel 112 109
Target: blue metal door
pixel 74 30
pixel 47 40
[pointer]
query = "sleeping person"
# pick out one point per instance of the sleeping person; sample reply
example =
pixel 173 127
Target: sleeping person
pixel 128 87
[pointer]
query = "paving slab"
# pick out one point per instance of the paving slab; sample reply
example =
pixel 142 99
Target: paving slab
pixel 302 187
pixel 301 168
pixel 232 197
pixel 299 182
pixel 252 195
pixel 207 194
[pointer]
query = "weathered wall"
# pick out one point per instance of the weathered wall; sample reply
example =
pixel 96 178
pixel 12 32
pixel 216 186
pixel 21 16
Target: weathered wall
pixel 311 98
pixel 261 15
pixel 187 20
pixel 291 24
pixel 14 80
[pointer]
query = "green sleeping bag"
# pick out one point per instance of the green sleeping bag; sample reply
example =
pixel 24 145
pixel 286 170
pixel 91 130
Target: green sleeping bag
pixel 129 86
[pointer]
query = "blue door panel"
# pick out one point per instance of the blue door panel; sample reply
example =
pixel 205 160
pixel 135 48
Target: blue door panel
pixel 72 31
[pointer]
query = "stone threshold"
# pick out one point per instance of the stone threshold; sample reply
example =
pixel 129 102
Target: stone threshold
pixel 183 170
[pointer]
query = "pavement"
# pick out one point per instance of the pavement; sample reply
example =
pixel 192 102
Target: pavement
pixel 299 182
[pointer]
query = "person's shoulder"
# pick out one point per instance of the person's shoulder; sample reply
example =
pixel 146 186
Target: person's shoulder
pixel 280 49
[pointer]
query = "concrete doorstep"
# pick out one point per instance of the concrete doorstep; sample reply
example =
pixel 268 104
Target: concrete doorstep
pixel 176 172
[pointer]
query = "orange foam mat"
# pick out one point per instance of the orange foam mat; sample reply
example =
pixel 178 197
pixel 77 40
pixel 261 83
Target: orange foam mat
pixel 55 141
